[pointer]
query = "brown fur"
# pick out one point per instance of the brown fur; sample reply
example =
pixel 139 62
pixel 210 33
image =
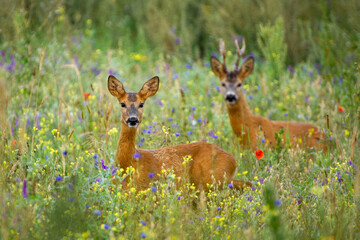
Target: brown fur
pixel 209 163
pixel 250 128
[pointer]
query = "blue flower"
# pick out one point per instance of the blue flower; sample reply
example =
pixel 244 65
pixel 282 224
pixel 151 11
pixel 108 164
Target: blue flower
pixel 177 134
pixel 218 208
pixel 201 218
pixel 179 197
pixel 277 203
pixel 230 185
pixel 207 64
pixel 143 223
pixel 143 235
pixel 65 153
pixel 250 97
pixel 153 189
pixel 193 108
pixel 95 156
pixel 59 178
pixel 151 175
pixel 188 66
pixel 169 119
pixel 106 226
pixel 263 140
pixel 137 155
pixel 175 76
pixel 286 114
pixel 189 132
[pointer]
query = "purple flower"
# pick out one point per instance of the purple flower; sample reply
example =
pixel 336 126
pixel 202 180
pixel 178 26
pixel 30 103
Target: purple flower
pixel 95 71
pixel 103 164
pixel 153 189
pixel 114 171
pixel 58 178
pixel 177 134
pixel 290 69
pixel 253 188
pixel 250 97
pixel 151 175
pixel 207 64
pixel 250 198
pixel 351 163
pixel 189 132
pixel 245 210
pixel 97 212
pixel 188 66
pixel 286 114
pixel 261 180
pixel 277 203
pixel 201 218
pixel 263 140
pixel 137 155
pixel 230 185
pixel 177 40
pixel 143 223
pixel 24 189
pixel 98 179
pixel 143 235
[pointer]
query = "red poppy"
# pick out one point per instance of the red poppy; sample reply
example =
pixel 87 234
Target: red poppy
pixel 259 154
pixel 14 142
pixel 341 109
pixel 86 95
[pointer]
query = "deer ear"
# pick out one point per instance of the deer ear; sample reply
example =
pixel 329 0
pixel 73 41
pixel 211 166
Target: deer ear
pixel 217 67
pixel 150 88
pixel 116 88
pixel 246 68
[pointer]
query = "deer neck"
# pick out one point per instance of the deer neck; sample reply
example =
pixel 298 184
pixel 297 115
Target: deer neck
pixel 126 146
pixel 239 114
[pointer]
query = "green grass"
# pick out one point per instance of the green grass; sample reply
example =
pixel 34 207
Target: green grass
pixel 53 140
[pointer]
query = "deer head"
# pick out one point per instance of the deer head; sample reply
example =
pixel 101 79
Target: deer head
pixel 132 104
pixel 231 81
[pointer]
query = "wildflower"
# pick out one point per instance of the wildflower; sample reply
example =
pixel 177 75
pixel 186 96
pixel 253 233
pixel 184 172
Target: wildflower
pixel 137 155
pixel 14 142
pixel 153 189
pixel 250 97
pixel 341 109
pixel 290 69
pixel 177 40
pixel 189 132
pixel 250 198
pixel 97 212
pixel 193 108
pixel 179 197
pixel 261 180
pixel 65 153
pixel 207 64
pixel 259 154
pixel 151 175
pixel 170 119
pixel 143 223
pixel 143 235
pixel 253 188
pixel 277 203
pixel 86 95
pixel 103 164
pixel 177 134
pixel 286 114
pixel 263 140
pixel 24 189
pixel 201 218
pixel 230 185
pixel 114 171
pixel 95 156
pixel 188 66
pixel 71 199
pixel 175 76
pixel 105 226
pixel 59 178
pixel 218 208
pixel 245 210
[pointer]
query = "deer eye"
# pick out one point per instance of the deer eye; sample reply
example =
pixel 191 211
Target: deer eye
pixel 123 105
pixel 223 84
pixel 141 105
pixel 239 85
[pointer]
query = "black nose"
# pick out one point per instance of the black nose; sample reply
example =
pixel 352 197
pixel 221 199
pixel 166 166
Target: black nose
pixel 133 121
pixel 230 98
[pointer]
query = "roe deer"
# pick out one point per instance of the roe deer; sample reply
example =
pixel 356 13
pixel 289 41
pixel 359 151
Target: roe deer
pixel 247 126
pixel 209 163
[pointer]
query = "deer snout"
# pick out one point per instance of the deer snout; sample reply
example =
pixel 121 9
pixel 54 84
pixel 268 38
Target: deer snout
pixel 231 98
pixel 132 121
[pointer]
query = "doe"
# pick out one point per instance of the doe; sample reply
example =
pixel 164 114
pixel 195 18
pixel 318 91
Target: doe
pixel 209 163
pixel 248 127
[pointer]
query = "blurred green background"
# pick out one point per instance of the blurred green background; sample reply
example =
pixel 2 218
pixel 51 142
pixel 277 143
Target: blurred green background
pixel 313 30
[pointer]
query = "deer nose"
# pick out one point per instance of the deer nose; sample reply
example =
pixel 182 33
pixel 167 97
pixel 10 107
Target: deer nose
pixel 230 98
pixel 133 121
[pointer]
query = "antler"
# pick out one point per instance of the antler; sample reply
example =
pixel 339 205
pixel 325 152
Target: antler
pixel 222 51
pixel 239 51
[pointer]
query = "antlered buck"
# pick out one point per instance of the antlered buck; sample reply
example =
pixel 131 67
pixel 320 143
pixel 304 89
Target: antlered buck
pixel 247 126
pixel 209 163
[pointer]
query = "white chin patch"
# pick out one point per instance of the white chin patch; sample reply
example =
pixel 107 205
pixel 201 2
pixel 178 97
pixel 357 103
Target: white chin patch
pixel 132 126
pixel 231 102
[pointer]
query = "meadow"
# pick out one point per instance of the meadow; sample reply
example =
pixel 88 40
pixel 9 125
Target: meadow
pixel 60 127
